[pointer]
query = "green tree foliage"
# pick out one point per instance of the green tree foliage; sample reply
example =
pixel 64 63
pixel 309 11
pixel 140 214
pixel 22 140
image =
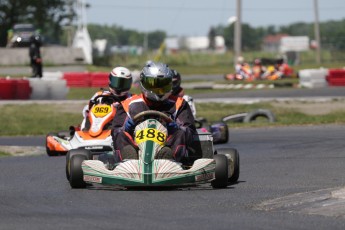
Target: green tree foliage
pixel 46 15
pixel 118 36
pixel 332 34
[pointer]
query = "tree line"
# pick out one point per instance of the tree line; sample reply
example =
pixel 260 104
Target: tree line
pixel 52 16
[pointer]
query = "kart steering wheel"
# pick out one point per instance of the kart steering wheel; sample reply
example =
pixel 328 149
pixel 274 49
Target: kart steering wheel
pixel 152 113
pixel 107 99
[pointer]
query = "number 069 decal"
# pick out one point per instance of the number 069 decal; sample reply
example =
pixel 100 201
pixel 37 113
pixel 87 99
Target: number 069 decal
pixel 150 135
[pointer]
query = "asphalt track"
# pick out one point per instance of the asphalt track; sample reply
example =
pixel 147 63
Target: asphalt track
pixel 286 182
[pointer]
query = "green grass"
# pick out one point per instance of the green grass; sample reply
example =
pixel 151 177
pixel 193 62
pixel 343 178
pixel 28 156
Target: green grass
pixel 37 119
pixel 284 116
pixel 4 154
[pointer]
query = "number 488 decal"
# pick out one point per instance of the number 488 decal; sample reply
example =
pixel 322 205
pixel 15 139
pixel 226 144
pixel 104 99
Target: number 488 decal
pixel 150 135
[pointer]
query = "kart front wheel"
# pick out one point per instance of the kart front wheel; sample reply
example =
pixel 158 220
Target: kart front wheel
pixel 71 153
pixel 221 172
pixel 235 166
pixel 76 172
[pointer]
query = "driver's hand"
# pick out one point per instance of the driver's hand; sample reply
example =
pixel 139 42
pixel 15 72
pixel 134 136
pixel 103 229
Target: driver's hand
pixel 172 127
pixel 129 126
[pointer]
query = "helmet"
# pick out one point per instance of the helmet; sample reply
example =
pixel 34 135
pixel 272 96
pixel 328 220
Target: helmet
pixel 176 82
pixel 257 61
pixel 156 81
pixel 120 81
pixel 240 59
pixel 36 38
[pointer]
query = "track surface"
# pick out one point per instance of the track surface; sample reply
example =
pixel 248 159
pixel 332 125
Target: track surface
pixel 275 163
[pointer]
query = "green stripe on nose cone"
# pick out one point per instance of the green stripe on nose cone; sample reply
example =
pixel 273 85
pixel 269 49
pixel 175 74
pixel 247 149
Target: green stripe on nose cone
pixel 148 158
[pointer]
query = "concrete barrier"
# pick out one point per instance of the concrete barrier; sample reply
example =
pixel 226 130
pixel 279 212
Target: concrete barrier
pixel 50 55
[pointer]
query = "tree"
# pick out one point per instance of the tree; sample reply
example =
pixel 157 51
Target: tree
pixel 47 15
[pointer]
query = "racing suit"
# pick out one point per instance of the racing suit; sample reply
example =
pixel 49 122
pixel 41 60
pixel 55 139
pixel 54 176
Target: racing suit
pixel 175 107
pixel 35 59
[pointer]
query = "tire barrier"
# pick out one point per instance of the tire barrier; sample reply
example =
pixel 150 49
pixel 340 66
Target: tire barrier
pixel 100 79
pixel 265 113
pixel 313 78
pixel 251 116
pixel 14 89
pixel 336 77
pixel 23 89
pixel 86 79
pixel 76 79
pixel 48 89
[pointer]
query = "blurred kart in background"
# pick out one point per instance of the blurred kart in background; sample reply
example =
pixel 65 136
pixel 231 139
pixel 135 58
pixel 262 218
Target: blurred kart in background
pixel 263 69
pixel 96 138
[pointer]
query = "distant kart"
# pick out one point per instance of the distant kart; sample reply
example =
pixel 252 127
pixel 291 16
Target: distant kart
pixel 203 165
pixel 96 139
pixel 275 68
pixel 219 130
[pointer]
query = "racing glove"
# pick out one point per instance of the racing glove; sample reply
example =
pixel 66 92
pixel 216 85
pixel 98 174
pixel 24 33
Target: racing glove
pixel 129 126
pixel 172 127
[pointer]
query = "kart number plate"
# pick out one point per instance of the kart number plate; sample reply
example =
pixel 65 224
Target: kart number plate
pixel 150 134
pixel 101 110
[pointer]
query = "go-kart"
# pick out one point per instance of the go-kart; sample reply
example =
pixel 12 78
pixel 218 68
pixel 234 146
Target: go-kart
pixel 203 164
pixel 96 138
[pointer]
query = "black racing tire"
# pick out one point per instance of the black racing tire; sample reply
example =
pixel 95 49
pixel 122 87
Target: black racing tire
pixel 64 134
pixel 73 152
pixel 235 118
pixel 76 173
pixel 235 166
pixel 234 163
pixel 67 165
pixel 251 116
pixel 221 172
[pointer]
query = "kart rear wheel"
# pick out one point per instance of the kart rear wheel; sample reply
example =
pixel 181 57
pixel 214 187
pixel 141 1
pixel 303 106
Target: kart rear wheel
pixel 234 163
pixel 76 172
pixel 221 172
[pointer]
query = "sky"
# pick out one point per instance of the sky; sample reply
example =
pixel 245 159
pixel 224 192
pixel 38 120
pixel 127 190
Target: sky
pixel 196 17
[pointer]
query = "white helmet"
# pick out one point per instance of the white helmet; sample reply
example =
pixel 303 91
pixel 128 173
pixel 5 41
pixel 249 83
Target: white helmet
pixel 240 59
pixel 120 81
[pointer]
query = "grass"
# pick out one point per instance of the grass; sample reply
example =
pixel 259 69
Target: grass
pixel 38 119
pixel 4 154
pixel 284 116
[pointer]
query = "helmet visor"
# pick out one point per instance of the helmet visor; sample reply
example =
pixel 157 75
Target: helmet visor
pixel 120 83
pixel 159 86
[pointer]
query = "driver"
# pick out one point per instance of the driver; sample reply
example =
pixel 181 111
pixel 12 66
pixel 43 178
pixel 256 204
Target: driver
pixel 120 82
pixel 156 88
